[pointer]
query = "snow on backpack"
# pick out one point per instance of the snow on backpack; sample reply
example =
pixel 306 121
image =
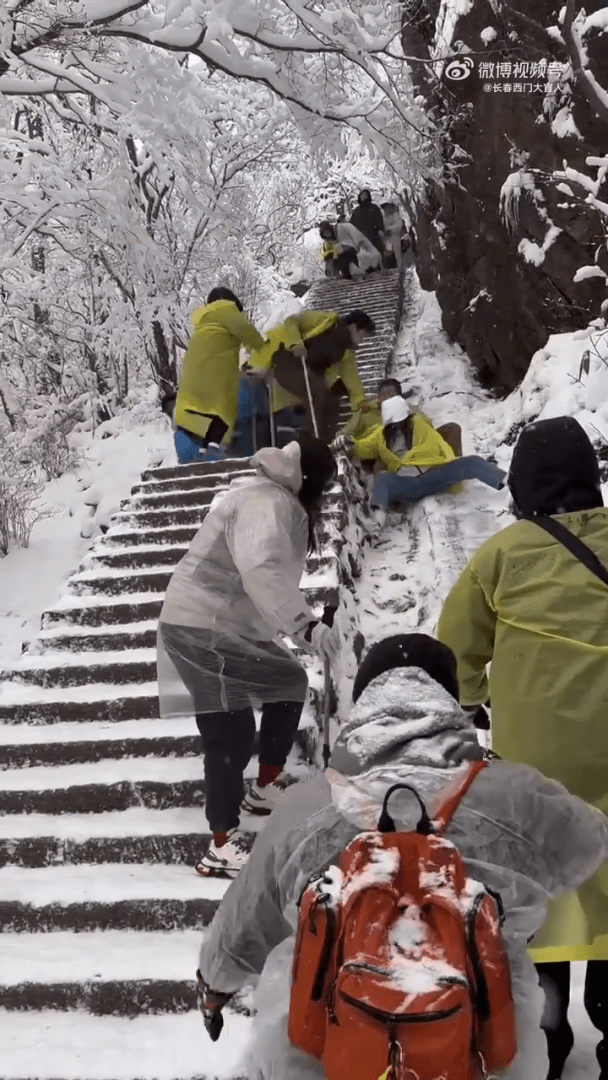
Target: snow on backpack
pixel 399 969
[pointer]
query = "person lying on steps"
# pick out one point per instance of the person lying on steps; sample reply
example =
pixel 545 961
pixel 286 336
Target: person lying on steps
pixel 327 344
pixel 417 459
pixel 522 836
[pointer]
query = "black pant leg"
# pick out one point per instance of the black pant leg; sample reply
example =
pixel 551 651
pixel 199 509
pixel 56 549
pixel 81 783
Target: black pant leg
pixel 278 728
pixel 228 740
pixel 555 981
pixel 596 994
pixel 216 431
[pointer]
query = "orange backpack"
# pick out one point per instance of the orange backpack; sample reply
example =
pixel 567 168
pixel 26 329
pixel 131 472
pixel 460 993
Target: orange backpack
pixel 399 969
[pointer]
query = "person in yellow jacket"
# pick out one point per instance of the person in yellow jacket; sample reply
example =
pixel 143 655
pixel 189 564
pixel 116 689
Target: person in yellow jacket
pixel 417 459
pixel 205 409
pixel 327 344
pixel 528 607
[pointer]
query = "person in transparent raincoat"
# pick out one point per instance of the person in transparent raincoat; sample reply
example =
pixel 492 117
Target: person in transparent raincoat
pixel 234 591
pixel 521 835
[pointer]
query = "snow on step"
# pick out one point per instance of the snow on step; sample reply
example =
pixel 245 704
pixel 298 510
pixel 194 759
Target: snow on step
pixel 49 659
pixel 71 631
pixel 75 1046
pixel 26 693
pixel 162 770
pixel 93 731
pixel 101 955
pixel 106 883
pixel 135 822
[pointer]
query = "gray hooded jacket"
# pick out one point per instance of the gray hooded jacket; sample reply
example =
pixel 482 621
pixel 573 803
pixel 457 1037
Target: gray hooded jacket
pixel 522 835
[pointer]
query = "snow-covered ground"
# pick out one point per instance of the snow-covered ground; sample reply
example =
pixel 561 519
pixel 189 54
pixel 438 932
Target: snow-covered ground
pixel 405 578
pixel 108 463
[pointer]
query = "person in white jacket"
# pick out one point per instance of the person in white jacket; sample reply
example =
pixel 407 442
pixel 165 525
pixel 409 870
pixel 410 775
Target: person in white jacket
pixel 231 595
pixel 355 254
pixel 521 835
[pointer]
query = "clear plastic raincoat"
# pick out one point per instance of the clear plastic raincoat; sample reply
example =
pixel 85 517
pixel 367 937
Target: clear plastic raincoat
pixel 518 833
pixel 233 592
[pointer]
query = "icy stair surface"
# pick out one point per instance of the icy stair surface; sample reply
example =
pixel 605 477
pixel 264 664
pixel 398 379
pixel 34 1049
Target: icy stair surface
pixel 102 803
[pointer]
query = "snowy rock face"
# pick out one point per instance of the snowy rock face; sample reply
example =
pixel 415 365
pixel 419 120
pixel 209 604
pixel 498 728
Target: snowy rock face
pixel 483 233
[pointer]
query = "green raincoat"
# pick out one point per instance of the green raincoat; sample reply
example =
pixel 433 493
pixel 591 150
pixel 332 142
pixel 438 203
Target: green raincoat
pixel 528 606
pixel 297 330
pixel 209 381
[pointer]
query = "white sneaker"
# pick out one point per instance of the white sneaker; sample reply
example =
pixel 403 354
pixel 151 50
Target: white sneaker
pixel 262 800
pixel 227 860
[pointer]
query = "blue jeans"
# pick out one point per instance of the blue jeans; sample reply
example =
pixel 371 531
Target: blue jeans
pixel 392 488
pixel 252 406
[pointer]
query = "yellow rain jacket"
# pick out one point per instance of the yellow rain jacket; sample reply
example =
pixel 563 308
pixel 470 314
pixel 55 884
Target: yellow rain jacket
pixel 428 447
pixel 528 606
pixel 209 381
pixel 297 330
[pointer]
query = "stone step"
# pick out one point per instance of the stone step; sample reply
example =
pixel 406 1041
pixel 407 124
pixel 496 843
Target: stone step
pixel 28 755
pixel 106 785
pixel 138 834
pixel 196 497
pixel 103 973
pixel 80 704
pixel 159 518
pixel 214 482
pixel 117 538
pixel 69 669
pixel 94 639
pixel 78 1046
pixel 228 467
pixel 111 897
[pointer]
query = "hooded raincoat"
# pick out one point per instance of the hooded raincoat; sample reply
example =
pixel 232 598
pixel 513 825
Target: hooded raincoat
pixel 209 381
pixel 529 607
pixel 518 833
pixel 299 330
pixel 233 592
pixel 348 236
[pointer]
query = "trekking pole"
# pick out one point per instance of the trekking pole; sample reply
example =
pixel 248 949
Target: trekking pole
pixel 273 434
pixel 328 619
pixel 309 392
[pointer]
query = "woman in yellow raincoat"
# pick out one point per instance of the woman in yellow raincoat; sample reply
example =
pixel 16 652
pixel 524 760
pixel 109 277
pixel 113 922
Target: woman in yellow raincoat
pixel 528 606
pixel 205 410
pixel 417 459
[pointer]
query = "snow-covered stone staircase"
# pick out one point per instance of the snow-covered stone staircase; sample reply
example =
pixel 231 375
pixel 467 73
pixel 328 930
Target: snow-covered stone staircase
pixel 101 802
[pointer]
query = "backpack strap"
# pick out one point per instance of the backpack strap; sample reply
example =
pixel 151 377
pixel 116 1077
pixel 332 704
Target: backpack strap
pixel 451 801
pixel 574 545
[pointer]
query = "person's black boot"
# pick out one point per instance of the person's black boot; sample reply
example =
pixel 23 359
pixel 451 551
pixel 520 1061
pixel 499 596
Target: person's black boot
pixel 602 1057
pixel 559 1044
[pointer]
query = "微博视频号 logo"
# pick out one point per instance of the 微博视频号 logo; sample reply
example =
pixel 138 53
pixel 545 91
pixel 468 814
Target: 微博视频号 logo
pixel 459 69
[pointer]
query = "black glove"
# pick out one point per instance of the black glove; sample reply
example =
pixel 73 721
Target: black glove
pixel 479 715
pixel 211 1002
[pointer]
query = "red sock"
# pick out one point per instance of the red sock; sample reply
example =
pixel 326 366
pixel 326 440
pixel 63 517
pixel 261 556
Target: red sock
pixel 220 838
pixel 268 773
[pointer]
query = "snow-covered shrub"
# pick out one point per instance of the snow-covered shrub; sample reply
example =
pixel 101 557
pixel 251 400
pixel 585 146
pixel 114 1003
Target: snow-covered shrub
pixel 20 505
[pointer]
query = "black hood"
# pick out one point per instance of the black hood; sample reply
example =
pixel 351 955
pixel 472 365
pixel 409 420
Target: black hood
pixel 554 469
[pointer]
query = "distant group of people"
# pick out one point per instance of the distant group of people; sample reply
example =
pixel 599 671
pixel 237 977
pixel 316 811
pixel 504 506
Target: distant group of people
pixel 375 238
